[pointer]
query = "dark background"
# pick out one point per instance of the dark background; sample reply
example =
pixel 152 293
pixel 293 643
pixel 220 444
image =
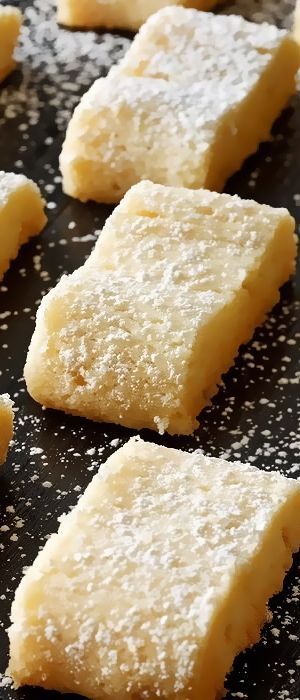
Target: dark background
pixel 54 456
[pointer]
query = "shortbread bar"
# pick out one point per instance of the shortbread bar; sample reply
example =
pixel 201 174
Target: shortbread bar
pixel 194 96
pixel 141 334
pixel 10 24
pixel 21 215
pixel 157 579
pixel 6 425
pixel 118 13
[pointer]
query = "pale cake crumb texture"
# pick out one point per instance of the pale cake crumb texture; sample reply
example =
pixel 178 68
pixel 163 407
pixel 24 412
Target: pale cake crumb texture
pixel 10 25
pixel 21 215
pixel 141 334
pixel 6 425
pixel 118 13
pixel 157 578
pixel 195 95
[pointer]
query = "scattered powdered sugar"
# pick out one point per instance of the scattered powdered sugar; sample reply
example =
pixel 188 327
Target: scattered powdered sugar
pixel 54 456
pixel 52 58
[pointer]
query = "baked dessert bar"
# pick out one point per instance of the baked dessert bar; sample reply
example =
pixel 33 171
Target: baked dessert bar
pixel 142 333
pixel 157 579
pixel 10 24
pixel 194 96
pixel 21 215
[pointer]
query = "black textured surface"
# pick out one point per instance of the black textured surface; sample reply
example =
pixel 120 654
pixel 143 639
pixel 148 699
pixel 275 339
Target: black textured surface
pixel 254 415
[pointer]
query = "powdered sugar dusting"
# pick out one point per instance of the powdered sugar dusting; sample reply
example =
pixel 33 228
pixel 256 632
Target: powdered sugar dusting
pixel 182 83
pixel 119 351
pixel 156 505
pixel 253 418
pixel 47 54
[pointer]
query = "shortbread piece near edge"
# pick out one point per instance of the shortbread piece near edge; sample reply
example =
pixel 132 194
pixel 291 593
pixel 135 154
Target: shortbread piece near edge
pixel 194 96
pixel 157 579
pixel 141 334
pixel 6 425
pixel 118 13
pixel 10 24
pixel 21 215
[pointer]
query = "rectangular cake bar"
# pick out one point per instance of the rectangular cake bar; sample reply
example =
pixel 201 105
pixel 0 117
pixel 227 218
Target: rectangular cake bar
pixel 157 579
pixel 195 95
pixel 142 333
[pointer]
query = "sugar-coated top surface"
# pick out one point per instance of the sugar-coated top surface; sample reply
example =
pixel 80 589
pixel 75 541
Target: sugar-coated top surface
pixel 102 333
pixel 106 349
pixel 150 117
pixel 127 589
pixel 183 202
pixel 191 240
pixel 10 183
pixel 147 103
pixel 184 72
pixel 184 45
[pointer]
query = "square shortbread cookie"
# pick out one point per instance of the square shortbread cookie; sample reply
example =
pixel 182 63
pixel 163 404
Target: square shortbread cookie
pixel 157 578
pixel 21 215
pixel 10 24
pixel 194 96
pixel 141 334
pixel 118 13
pixel 6 425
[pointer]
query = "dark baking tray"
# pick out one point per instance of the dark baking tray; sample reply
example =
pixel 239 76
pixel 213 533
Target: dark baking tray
pixel 54 456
